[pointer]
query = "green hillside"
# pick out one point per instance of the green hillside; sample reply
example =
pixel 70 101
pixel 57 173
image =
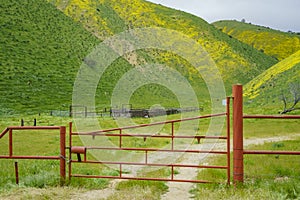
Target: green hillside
pixel 237 62
pixel 43 48
pixel 272 42
pixel 264 92
pixel 40 52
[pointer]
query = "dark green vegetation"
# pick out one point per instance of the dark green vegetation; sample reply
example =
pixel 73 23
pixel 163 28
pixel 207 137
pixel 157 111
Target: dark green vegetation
pixel 42 50
pixel 40 53
pixel 277 44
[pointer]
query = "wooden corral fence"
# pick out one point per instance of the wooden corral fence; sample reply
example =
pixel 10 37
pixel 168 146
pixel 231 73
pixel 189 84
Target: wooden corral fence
pixel 126 111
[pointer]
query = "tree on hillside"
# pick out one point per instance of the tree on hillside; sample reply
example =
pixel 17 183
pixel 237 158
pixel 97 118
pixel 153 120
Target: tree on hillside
pixel 295 92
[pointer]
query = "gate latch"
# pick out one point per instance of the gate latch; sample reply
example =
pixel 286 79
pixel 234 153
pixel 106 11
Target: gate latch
pixel 79 150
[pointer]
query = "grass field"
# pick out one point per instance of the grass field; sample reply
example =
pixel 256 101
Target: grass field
pixel 276 177
pixel 43 46
pixel 266 176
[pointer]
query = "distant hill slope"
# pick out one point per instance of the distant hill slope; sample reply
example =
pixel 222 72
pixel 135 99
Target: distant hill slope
pixel 237 62
pixel 42 49
pixel 272 42
pixel 40 52
pixel 266 89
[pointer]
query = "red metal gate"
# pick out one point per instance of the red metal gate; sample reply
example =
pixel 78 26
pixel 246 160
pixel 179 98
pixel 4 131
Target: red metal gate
pixel 238 147
pixel 120 135
pixel 61 157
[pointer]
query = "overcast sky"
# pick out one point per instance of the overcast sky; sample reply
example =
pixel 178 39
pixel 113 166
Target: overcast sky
pixel 277 14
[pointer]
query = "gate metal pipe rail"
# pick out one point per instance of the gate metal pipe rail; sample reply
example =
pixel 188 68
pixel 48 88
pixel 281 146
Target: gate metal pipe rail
pixel 61 157
pixel 238 149
pixel 172 136
pixel 271 117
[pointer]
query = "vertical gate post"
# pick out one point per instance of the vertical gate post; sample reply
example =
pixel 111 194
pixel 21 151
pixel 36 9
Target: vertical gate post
pixel 228 138
pixel 62 154
pixel 10 143
pixel 70 148
pixel 238 162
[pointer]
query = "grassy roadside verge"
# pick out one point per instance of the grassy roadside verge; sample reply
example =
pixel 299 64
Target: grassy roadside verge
pixel 40 180
pixel 42 177
pixel 266 176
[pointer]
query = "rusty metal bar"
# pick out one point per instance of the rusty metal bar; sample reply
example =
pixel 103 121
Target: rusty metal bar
pixel 228 138
pixel 32 157
pixel 141 178
pixel 17 173
pixel 78 149
pixel 153 136
pixel 272 152
pixel 120 139
pixel 153 164
pixel 238 162
pixel 10 142
pixel 4 132
pixel 34 127
pixel 62 154
pixel 172 135
pixel 146 157
pixel 271 116
pixel 147 150
pixel 152 124
pixel 70 149
pixel 157 150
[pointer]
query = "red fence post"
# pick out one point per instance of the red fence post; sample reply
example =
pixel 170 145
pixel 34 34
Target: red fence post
pixel 70 148
pixel 62 154
pixel 238 163
pixel 10 142
pixel 228 138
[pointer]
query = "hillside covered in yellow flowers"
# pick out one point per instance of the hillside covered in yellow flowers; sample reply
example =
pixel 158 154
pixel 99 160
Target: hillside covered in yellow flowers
pixel 277 44
pixel 44 43
pixel 267 89
pixel 236 61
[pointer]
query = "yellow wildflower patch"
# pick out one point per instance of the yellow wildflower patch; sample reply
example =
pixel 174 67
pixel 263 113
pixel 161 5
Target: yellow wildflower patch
pixel 252 88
